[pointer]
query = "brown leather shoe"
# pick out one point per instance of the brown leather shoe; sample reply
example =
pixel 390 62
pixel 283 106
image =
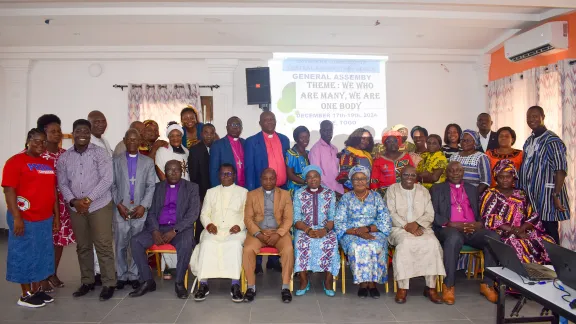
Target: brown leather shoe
pixel 448 295
pixel 489 292
pixel 432 295
pixel 401 296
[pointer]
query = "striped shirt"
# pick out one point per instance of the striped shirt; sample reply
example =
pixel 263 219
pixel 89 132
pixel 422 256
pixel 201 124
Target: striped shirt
pixel 476 168
pixel 86 174
pixel 544 155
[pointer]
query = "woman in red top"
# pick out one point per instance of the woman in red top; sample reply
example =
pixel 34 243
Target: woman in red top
pixel 29 183
pixel 387 168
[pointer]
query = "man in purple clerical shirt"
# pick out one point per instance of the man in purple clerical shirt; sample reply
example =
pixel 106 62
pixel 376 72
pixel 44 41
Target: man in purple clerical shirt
pixel 175 207
pixel 132 192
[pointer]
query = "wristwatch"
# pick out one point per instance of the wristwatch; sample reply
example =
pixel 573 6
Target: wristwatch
pixel 556 195
pixel 72 202
pixel 175 230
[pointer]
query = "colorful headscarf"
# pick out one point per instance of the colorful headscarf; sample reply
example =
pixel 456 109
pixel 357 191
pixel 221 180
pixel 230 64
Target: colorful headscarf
pixel 418 128
pixel 149 122
pixel 309 168
pixel 392 133
pixel 474 135
pixel 398 127
pixel 505 165
pixel 358 169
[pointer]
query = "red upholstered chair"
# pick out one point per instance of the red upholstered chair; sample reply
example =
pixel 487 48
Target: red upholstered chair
pixel 267 250
pixel 157 250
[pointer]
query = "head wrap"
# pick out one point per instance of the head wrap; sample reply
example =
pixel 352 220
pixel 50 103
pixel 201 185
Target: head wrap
pixel 474 135
pixel 398 127
pixel 149 122
pixel 392 133
pixel 173 127
pixel 505 165
pixel 418 128
pixel 358 169
pixel 309 168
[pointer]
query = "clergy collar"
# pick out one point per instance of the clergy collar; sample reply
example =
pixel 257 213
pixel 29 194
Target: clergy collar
pixel 320 189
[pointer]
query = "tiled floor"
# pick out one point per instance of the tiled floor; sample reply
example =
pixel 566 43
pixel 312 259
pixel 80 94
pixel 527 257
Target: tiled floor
pixel 162 306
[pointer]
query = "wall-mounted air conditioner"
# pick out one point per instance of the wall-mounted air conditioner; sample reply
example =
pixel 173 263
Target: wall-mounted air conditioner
pixel 546 39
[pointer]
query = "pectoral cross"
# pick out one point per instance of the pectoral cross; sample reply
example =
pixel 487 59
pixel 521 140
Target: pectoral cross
pixel 239 164
pixel 459 208
pixel 133 181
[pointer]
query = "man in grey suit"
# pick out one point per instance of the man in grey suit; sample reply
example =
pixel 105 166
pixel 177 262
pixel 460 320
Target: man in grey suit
pixel 175 208
pixel 457 222
pixel 132 192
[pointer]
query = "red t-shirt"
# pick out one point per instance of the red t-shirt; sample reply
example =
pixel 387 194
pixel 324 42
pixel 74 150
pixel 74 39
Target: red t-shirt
pixel 35 181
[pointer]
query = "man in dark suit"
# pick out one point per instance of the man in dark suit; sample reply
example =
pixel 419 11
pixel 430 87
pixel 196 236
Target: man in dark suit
pixel 199 167
pixel 488 138
pixel 457 222
pixel 229 149
pixel 175 208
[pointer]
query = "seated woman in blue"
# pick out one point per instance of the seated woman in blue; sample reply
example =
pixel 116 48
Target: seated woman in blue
pixel 362 225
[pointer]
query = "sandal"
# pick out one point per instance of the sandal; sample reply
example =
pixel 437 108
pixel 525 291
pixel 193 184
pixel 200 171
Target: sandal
pixel 55 282
pixel 48 289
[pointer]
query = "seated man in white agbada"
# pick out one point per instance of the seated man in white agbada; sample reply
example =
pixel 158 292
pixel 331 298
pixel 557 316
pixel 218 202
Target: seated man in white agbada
pixel 219 254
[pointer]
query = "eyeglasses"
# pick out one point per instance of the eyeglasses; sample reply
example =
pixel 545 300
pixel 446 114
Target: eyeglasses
pixel 234 125
pixel 359 180
pixel 226 174
pixel 409 175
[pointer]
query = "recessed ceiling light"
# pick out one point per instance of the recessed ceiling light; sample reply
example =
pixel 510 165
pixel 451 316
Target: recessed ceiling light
pixel 222 33
pixel 76 34
pixel 212 20
pixel 419 35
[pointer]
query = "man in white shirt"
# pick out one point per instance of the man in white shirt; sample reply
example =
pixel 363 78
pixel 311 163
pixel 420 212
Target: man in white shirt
pixel 488 138
pixel 99 125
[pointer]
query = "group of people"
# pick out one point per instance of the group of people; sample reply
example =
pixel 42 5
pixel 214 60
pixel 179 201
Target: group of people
pixel 219 201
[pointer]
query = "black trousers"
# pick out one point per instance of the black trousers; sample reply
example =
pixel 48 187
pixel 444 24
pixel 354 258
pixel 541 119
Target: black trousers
pixel 551 229
pixel 183 242
pixel 452 241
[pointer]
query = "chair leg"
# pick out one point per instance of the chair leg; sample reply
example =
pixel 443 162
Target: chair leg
pixel 186 279
pixel 243 284
pixel 482 265
pixel 292 282
pixel 395 286
pixel 334 283
pixel 386 286
pixel 158 265
pixel 469 268
pixel 438 283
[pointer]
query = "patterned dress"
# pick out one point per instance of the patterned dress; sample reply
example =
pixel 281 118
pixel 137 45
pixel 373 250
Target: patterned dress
pixel 379 148
pixel 386 172
pixel 497 210
pixel 64 236
pixel 297 162
pixel 449 151
pixel 315 209
pixel 368 259
pixel 431 162
pixel 543 155
pixel 476 168
pixel 495 157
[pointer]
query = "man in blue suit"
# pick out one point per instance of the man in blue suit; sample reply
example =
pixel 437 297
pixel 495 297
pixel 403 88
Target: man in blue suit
pixel 229 149
pixel 266 149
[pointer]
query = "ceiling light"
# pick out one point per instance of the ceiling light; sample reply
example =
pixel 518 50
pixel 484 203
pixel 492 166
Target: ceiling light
pixel 419 35
pixel 76 34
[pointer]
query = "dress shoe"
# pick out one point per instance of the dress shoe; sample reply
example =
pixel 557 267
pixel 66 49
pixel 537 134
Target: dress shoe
pixel 432 295
pixel 181 291
pixel 362 292
pixel 120 284
pixel 258 269
pixel 135 284
pixel 448 295
pixel 83 290
pixel 401 296
pixel 202 292
pixel 489 292
pixel 286 295
pixel 374 293
pixel 236 294
pixel 147 286
pixel 106 293
pixel 97 280
pixel 249 295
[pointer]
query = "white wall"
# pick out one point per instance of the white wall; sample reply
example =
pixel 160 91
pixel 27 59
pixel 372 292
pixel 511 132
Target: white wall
pixel 417 94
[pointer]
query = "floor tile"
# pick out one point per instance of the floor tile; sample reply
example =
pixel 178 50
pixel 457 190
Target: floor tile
pixel 421 309
pixel 215 311
pixel 300 310
pixel 354 310
pixel 69 310
pixel 135 310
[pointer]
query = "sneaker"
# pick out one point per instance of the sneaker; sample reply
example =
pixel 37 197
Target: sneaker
pixel 236 294
pixel 202 292
pixel 30 301
pixel 44 297
pixel 249 295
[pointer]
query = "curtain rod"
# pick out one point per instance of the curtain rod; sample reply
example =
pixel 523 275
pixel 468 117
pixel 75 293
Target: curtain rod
pixel 122 86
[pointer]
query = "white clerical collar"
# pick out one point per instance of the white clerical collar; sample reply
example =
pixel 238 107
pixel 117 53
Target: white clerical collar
pixel 314 190
pixel 268 192
pixel 270 135
pixel 132 155
pixel 172 186
pixel 235 139
pixel 457 186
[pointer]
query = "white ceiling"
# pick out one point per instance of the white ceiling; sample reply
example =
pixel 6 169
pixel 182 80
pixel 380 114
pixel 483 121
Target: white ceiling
pixel 477 25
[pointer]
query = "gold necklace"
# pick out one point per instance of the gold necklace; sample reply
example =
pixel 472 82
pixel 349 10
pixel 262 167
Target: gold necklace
pixel 364 197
